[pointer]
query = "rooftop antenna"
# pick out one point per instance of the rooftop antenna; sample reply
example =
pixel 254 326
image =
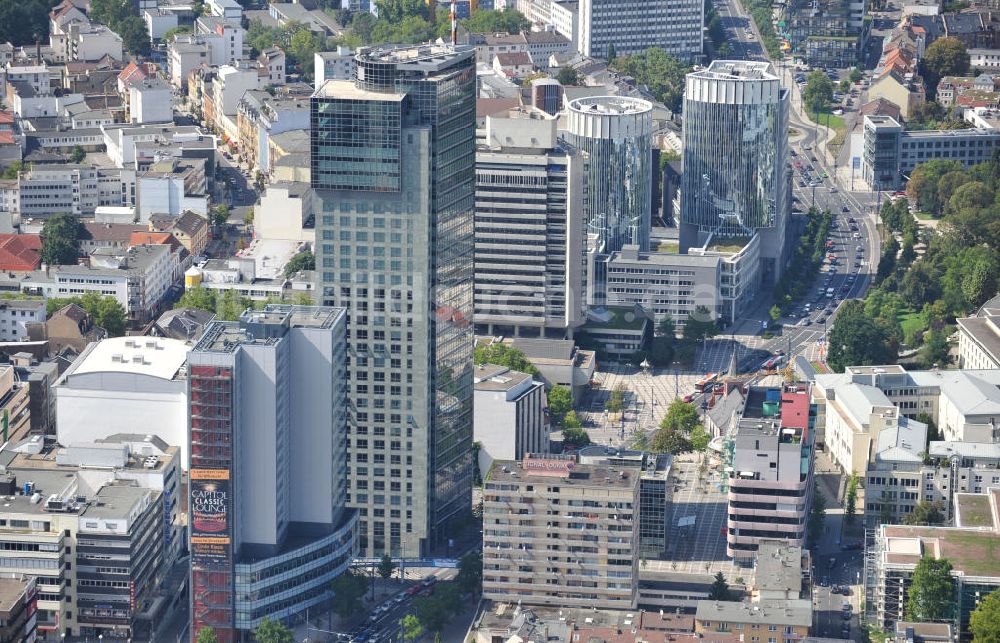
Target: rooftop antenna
pixel 454 24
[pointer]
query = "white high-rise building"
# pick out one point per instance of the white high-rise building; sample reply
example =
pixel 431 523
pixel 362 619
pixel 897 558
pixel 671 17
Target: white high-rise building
pixel 529 255
pixel 632 27
pixel 268 412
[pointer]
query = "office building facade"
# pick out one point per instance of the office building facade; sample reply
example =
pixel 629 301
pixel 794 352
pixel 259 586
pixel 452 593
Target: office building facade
pixel 675 27
pixel 393 167
pixel 734 184
pixel 615 132
pixel 510 418
pixel 269 529
pixel 529 249
pixel 770 459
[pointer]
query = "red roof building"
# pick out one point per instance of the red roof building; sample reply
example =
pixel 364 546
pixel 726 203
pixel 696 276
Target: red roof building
pixel 20 252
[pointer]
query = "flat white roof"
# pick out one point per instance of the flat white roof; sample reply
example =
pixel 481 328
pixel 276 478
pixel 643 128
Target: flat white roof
pixel 153 356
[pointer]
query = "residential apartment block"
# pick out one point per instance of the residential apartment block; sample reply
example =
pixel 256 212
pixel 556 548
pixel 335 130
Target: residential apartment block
pixel 100 519
pixel 561 533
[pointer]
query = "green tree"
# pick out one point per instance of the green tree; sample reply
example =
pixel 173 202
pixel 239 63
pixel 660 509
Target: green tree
pixel 700 438
pixel 61 240
pixel 304 260
pixel 932 592
pixel 230 306
pixel 851 499
pixel 616 401
pixel 612 54
pixel 198 297
pixel 662 73
pixel 560 401
pixel 411 627
pixel 504 355
pixel 348 590
pixel 700 325
pixel 111 316
pixel 571 421
pixel 270 631
pixel 78 154
pixel 774 313
pixel 857 340
pixel 24 22
pixel 248 220
pixel 818 92
pixel 487 21
pixel 168 36
pixel 219 214
pixel 925 513
pixel 944 57
pixel 817 516
pixel 567 76
pixel 935 351
pixel 667 439
pixel 13 170
pixel 720 589
pixel 206 635
pixel 435 611
pixel 385 567
pixel 855 75
pixel 682 416
pixel 135 36
pixel 470 572
pixel 984 622
pixel 574 438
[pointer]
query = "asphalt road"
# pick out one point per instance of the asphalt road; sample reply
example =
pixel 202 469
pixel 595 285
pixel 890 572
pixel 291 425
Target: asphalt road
pixel 851 276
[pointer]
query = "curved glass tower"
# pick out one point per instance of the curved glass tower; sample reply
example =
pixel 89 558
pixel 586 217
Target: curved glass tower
pixel 616 134
pixel 735 141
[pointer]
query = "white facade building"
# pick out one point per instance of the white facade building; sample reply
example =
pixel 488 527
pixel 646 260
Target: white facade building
pixel 184 53
pixel 984 58
pixel 15 313
pixel 117 381
pixel 137 278
pixel 979 339
pixel 334 65
pixel 509 418
pixel 632 27
pixel 94 42
pixel 150 102
pixel 48 189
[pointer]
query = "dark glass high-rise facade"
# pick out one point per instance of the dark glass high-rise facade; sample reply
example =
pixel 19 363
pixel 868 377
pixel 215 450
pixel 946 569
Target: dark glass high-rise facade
pixel 393 168
pixel 735 142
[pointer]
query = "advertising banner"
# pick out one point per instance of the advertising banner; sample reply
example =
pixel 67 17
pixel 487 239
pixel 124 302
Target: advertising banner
pixel 211 509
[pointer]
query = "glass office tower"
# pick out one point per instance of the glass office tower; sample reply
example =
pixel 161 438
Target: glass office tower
pixel 393 168
pixel 616 134
pixel 735 143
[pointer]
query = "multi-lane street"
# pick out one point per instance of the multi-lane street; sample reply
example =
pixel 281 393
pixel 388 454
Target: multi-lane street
pixel 815 183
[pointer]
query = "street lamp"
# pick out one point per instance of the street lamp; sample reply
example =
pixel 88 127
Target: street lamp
pixel 647 368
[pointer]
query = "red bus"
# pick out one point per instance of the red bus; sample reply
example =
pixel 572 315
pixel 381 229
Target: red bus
pixel 701 384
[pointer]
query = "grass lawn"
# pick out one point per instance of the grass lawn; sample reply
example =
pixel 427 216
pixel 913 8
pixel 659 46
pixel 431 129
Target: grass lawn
pixel 820 368
pixel 924 216
pixel 668 247
pixel 912 321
